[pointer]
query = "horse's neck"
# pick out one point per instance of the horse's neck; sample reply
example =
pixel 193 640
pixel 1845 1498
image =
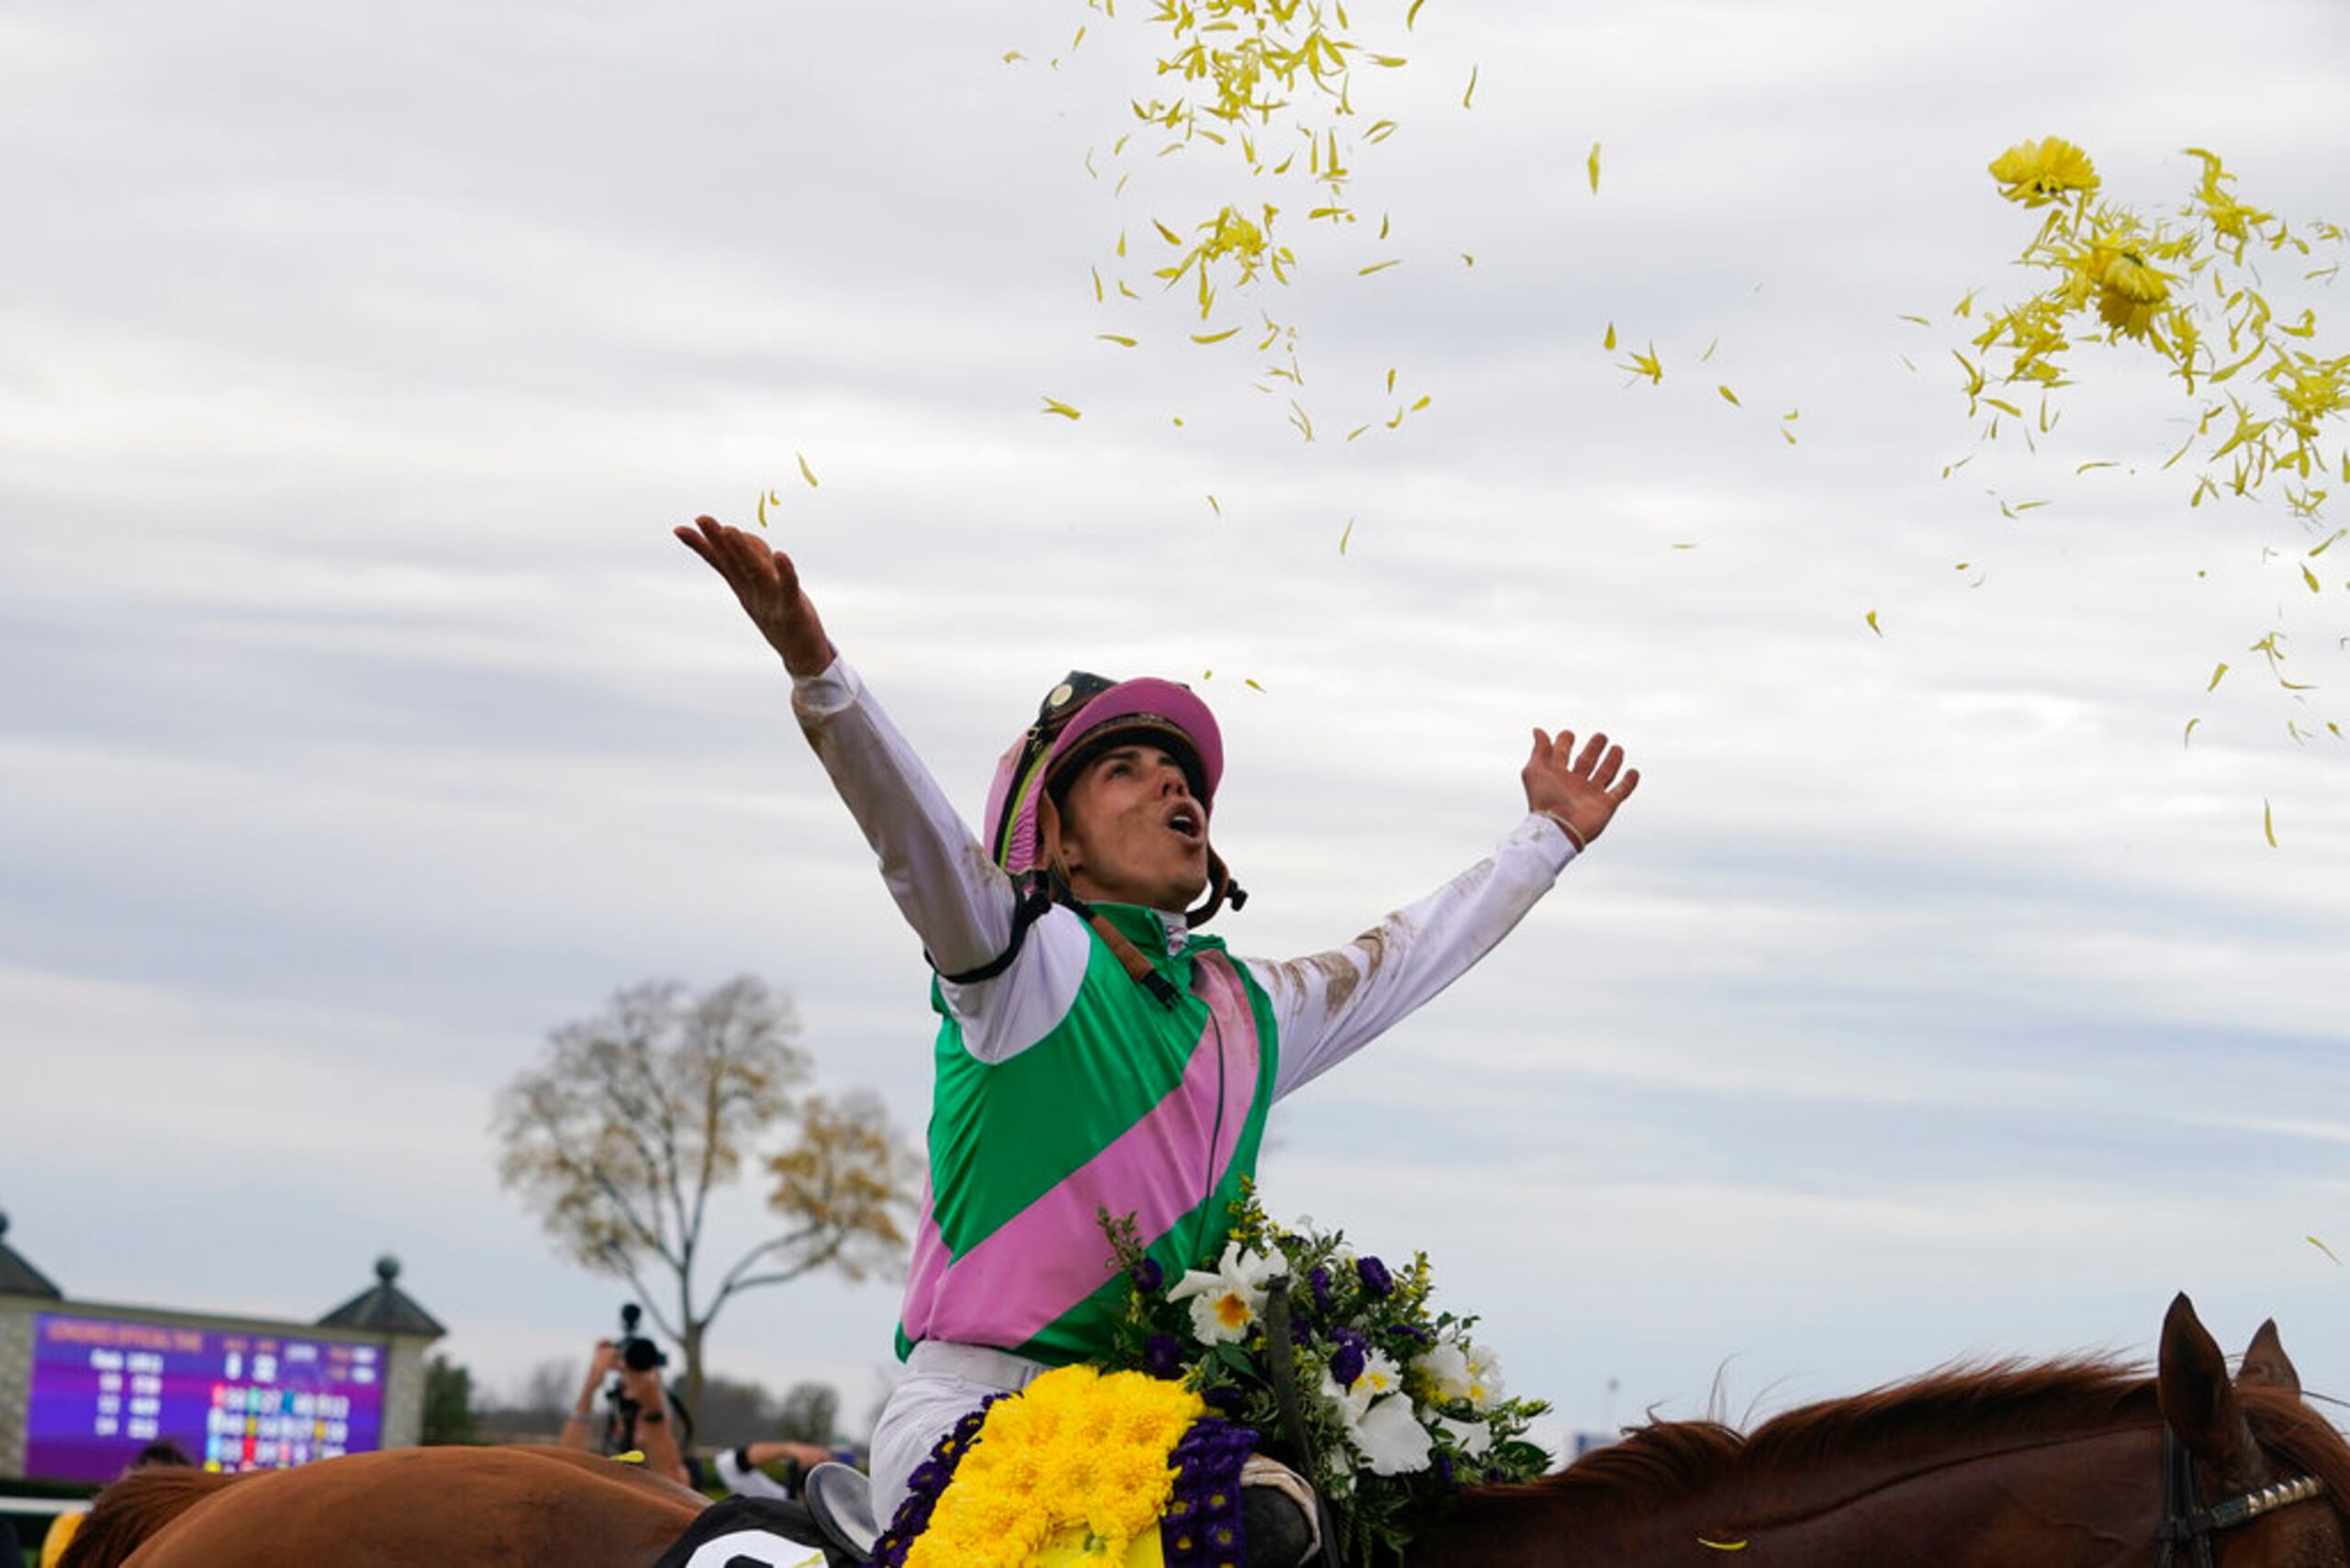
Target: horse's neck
pixel 2070 1503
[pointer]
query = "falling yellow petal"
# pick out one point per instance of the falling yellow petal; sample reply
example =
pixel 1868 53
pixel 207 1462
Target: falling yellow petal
pixel 1165 233
pixel 805 472
pixel 1378 266
pixel 1609 340
pixel 1382 226
pixel 2086 466
pixel 1356 431
pixel 1646 365
pixel 1962 565
pixel 1469 260
pixel 1722 1545
pixel 763 511
pixel 2324 1249
pixel 1919 319
pixel 1213 504
pixel 1873 625
pixel 1710 350
pixel 1472 87
pixel 1097 284
pixel 2268 822
pixel 1792 414
pixel 1691 547
pixel 1011 54
pixel 2310 578
pixel 1349 534
pixel 1730 396
pixel 1055 406
pixel 1250 684
pixel 1592 164
pixel 2187 734
pixel 2216 675
pixel 1118 338
pixel 1391 381
pixel 1214 337
pixel 1413 12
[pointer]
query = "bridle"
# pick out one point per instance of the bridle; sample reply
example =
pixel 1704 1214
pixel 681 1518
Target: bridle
pixel 2185 1520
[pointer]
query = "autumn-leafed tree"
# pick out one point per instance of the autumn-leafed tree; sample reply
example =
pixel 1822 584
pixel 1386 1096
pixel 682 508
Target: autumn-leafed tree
pixel 636 1117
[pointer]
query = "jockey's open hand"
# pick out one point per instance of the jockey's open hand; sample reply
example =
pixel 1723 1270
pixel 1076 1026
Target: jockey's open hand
pixel 1581 791
pixel 769 586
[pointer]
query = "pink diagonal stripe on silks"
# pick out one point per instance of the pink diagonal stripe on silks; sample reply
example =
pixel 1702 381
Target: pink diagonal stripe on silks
pixel 1052 1255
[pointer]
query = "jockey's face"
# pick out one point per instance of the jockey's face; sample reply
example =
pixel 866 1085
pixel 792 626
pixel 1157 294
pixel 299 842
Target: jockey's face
pixel 1132 831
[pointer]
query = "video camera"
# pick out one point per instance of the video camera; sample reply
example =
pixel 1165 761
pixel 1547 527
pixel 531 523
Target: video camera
pixel 637 1353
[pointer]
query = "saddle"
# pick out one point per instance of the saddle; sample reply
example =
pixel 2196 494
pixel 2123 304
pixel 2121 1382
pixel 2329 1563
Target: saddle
pixel 754 1532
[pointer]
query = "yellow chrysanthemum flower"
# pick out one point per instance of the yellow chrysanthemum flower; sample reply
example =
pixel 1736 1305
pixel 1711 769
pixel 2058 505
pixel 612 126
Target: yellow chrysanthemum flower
pixel 2037 173
pixel 1076 1452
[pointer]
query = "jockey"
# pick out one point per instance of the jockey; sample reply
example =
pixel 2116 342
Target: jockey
pixel 1097 1051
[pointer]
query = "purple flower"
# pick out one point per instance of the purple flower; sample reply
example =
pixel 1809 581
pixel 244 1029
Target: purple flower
pixel 1227 1400
pixel 1376 1280
pixel 1301 1331
pixel 1162 1356
pixel 1319 1278
pixel 1347 1365
pixel 1444 1475
pixel 1147 1275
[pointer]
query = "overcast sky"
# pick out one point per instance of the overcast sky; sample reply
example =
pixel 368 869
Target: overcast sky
pixel 360 721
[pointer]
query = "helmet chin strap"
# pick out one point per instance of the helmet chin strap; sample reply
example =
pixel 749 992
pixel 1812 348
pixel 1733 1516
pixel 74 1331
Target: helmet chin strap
pixel 1222 889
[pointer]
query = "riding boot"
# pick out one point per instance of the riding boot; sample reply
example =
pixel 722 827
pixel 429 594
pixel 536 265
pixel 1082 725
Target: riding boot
pixel 1279 1533
pixel 1279 1514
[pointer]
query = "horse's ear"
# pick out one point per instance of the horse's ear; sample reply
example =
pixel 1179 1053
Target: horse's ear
pixel 2198 1401
pixel 2265 1365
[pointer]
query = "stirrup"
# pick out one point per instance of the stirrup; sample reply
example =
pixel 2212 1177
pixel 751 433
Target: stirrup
pixel 839 1499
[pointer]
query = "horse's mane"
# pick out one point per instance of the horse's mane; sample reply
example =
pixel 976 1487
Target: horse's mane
pixel 135 1507
pixel 1670 1462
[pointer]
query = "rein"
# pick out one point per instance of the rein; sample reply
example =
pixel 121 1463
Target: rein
pixel 2185 1520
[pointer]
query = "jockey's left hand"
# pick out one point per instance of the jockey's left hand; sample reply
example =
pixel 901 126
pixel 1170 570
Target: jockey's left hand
pixel 1581 792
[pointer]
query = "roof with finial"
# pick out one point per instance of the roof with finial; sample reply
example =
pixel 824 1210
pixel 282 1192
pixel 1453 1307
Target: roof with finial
pixel 384 1308
pixel 18 1277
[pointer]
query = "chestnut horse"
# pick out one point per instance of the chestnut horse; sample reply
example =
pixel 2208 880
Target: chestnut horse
pixel 2061 1465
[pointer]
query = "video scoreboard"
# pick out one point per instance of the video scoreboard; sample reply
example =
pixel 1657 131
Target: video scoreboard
pixel 102 1389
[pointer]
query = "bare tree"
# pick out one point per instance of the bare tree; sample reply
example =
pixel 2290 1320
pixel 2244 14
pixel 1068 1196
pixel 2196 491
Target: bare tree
pixel 637 1115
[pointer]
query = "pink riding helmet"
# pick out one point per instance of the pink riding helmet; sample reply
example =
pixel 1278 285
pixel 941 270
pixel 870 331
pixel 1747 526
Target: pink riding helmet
pixel 1079 714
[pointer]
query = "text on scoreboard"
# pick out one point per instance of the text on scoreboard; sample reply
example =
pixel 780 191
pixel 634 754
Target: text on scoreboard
pixel 232 1399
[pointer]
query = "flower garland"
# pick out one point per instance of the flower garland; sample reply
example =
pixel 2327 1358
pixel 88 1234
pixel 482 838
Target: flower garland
pixel 1399 1407
pixel 1079 1466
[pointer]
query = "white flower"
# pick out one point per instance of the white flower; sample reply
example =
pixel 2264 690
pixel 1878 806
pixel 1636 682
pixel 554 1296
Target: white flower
pixel 1484 1377
pixel 1380 1375
pixel 1391 1439
pixel 1471 1438
pixel 1458 1370
pixel 1226 1300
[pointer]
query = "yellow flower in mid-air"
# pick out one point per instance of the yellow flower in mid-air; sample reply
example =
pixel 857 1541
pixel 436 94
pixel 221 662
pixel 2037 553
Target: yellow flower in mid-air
pixel 2129 290
pixel 2037 173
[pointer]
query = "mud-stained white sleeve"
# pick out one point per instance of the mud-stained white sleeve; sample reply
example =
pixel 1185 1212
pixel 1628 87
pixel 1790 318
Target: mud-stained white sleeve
pixel 1330 1005
pixel 957 901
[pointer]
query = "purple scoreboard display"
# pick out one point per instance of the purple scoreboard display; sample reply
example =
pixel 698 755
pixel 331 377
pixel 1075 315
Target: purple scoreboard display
pixel 232 1399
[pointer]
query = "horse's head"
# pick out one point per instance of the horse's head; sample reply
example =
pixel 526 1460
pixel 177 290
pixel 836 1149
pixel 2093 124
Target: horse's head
pixel 2250 1458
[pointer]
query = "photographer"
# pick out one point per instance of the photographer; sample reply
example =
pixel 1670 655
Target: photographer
pixel 627 1374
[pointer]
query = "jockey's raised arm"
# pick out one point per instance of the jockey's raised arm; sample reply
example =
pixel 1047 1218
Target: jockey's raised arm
pixel 1097 1052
